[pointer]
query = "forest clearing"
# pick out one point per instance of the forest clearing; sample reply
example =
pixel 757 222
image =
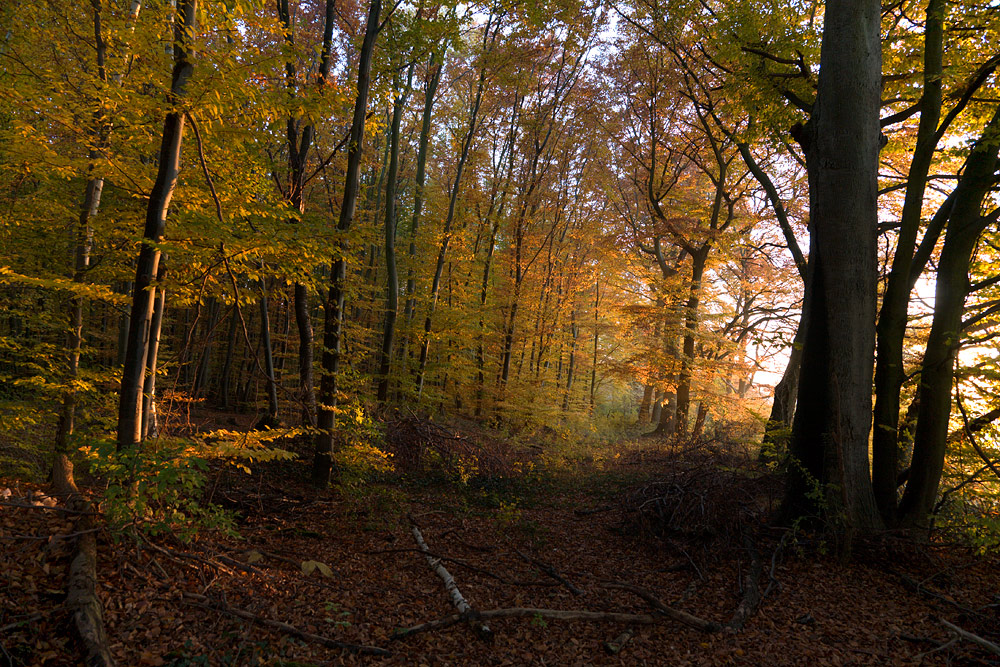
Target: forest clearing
pixel 502 332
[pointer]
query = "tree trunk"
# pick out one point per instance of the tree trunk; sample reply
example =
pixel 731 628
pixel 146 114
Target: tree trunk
pixel 446 237
pixel 834 413
pixel 265 341
pixel 130 399
pixel 149 426
pixel 783 405
pixel 298 150
pixel 420 178
pixel 965 225
pixel 392 278
pixel 81 260
pixel 334 317
pixel 891 330
pixel 698 260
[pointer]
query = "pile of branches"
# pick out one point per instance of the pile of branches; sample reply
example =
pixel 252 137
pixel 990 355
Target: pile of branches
pixel 420 446
pixel 708 497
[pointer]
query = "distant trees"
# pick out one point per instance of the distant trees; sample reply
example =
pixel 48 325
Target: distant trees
pixel 592 221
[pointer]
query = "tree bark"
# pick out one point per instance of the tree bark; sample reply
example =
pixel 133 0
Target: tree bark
pixel 891 330
pixel 334 316
pixel 833 418
pixel 391 278
pixel 965 225
pixel 130 399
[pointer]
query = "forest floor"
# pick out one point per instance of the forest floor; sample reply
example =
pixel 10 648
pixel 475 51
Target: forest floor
pixel 681 529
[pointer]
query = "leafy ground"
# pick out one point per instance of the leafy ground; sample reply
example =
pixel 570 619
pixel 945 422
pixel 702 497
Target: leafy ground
pixel 344 565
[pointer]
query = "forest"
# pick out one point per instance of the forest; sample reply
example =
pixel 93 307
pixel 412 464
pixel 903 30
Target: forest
pixel 499 332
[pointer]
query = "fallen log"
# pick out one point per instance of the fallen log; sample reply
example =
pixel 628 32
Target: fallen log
pixel 81 589
pixel 205 602
pixel 465 610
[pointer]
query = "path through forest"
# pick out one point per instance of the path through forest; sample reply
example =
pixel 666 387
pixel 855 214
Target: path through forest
pixel 613 536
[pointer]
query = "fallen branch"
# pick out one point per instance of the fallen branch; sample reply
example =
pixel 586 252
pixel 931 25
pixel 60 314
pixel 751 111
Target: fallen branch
pixel 550 571
pixel 81 586
pixel 465 610
pixel 920 589
pixel 673 614
pixel 975 639
pixel 204 602
pixel 527 612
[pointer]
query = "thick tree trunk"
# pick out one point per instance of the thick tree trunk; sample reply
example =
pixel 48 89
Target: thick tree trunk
pixel 833 417
pixel 334 317
pixel 645 404
pixel 130 399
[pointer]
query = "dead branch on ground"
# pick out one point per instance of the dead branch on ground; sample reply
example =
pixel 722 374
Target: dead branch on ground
pixel 550 571
pixel 205 602
pixel 669 612
pixel 457 599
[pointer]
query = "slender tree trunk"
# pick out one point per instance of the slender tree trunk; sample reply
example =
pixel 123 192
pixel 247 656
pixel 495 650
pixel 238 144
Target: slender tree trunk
pixel 392 278
pixel 698 260
pixel 889 371
pixel 149 427
pixel 81 261
pixel 227 364
pixel 298 151
pixel 334 319
pixel 130 405
pixel 965 225
pixel 421 177
pixel 783 405
pixel 449 219
pixel 265 341
pixel 593 359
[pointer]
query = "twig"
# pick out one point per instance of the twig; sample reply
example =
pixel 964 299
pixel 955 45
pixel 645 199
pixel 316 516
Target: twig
pixel 917 588
pixel 16 624
pixel 550 571
pixel 671 613
pixel 215 605
pixel 527 612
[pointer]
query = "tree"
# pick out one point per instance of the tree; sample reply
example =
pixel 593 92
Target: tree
pixel 143 295
pixel 841 142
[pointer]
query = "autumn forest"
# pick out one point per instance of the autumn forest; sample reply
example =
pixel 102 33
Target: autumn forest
pixel 499 332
